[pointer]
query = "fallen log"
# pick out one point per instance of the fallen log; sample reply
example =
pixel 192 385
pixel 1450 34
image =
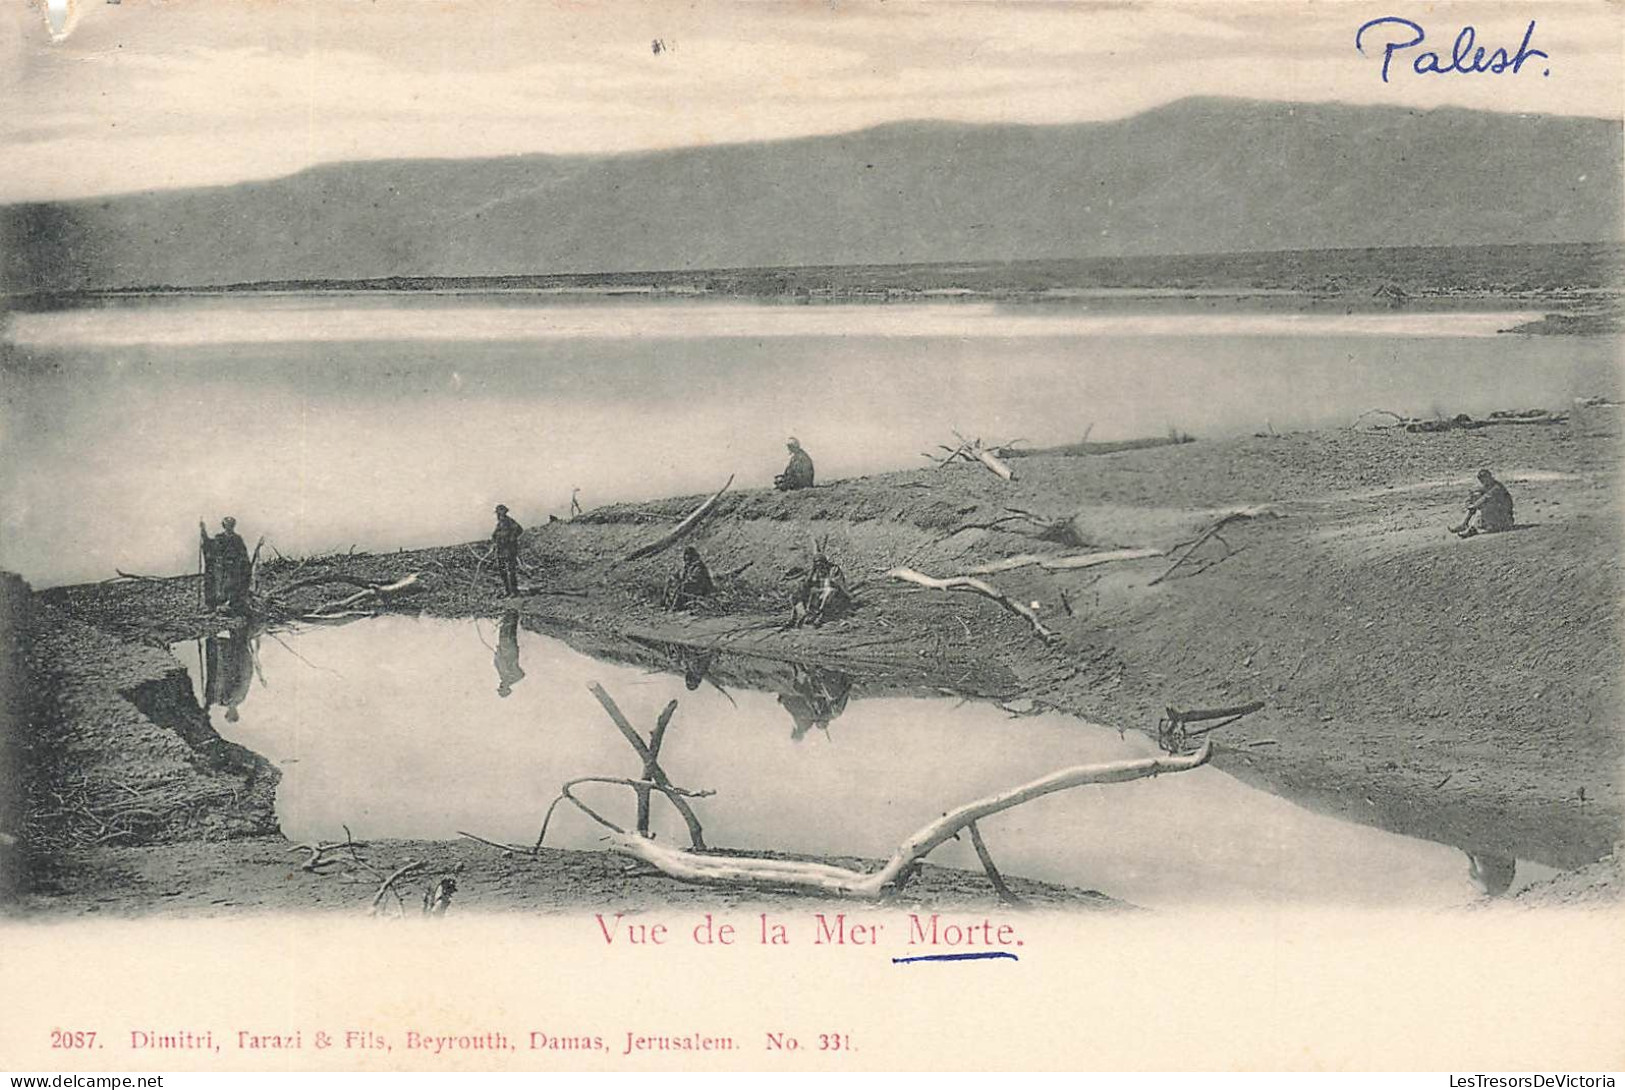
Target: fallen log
pixel 972 450
pixel 977 586
pixel 992 462
pixel 683 528
pixel 1062 562
pixel 122 574
pixel 319 580
pixel 756 873
pixel 374 592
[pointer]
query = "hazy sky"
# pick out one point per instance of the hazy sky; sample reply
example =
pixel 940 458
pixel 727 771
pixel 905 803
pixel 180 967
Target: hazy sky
pixel 161 93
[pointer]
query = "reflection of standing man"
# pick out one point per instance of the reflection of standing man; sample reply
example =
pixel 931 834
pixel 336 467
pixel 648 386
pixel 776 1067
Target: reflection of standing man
pixel 505 540
pixel 226 568
pixel 228 668
pixel 506 659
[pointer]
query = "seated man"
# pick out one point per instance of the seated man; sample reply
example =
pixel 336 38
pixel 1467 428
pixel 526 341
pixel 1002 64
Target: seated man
pixel 1489 508
pixel 799 473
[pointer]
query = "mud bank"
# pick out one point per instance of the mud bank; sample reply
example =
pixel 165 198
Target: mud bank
pixel 1464 692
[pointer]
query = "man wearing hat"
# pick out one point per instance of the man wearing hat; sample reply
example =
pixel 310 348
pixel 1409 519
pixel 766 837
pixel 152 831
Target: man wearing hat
pixel 505 539
pixel 799 473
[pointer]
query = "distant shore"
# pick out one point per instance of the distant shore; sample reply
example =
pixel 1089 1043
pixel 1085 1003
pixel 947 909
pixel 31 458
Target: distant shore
pixel 1580 287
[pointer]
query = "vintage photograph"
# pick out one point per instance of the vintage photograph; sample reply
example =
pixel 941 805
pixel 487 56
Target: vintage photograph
pixel 938 464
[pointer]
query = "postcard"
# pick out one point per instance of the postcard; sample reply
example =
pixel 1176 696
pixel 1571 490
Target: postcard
pixel 811 536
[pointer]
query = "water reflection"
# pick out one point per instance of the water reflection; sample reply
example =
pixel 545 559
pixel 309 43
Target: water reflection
pixel 388 726
pixel 1493 873
pixel 696 665
pixel 506 658
pixel 819 697
pixel 230 663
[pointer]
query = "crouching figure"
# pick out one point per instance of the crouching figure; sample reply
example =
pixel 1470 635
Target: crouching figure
pixel 691 585
pixel 823 592
pixel 1489 508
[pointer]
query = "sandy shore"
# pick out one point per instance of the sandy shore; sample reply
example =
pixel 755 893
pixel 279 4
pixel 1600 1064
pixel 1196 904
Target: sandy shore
pixel 1461 691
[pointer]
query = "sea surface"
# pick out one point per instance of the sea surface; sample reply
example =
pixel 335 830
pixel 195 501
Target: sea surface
pixel 326 421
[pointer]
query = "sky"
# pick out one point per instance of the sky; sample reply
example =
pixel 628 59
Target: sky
pixel 155 94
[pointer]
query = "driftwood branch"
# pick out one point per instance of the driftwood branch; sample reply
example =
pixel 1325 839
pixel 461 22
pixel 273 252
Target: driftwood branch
pixel 388 886
pixel 345 615
pixel 511 849
pixel 320 580
pixel 1171 729
pixel 993 874
pixel 972 450
pixel 652 771
pixel 374 592
pixel 1210 532
pixel 1379 412
pixel 976 586
pixel 682 529
pixel 755 873
pixel 1062 562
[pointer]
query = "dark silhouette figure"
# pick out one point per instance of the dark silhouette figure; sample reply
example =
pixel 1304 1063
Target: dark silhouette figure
pixel 227 572
pixel 228 668
pixel 819 698
pixel 799 473
pixel 1489 508
pixel 505 545
pixel 509 672
pixel 823 593
pixel 690 585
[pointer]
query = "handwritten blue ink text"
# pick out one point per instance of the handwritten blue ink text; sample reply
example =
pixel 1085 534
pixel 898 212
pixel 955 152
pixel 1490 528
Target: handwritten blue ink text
pixel 1466 58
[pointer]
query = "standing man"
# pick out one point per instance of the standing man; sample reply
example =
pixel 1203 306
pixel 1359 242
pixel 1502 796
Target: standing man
pixel 226 569
pixel 505 542
pixel 799 473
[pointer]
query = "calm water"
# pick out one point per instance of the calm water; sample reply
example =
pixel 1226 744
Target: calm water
pixel 415 727
pixel 326 422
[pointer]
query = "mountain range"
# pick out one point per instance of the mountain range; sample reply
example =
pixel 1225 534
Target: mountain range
pixel 1196 176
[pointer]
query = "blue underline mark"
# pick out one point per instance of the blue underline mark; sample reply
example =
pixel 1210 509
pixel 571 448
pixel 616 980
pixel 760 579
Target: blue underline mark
pixel 981 956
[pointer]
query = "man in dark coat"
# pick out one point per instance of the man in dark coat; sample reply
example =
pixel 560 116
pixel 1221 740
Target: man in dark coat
pixel 505 545
pixel 226 567
pixel 1489 508
pixel 799 473
pixel 690 585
